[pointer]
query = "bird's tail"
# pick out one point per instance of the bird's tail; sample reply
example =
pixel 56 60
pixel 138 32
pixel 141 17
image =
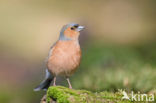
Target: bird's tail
pixel 45 83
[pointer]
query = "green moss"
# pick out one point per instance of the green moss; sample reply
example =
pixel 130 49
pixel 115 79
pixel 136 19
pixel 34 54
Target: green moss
pixel 58 94
pixel 66 95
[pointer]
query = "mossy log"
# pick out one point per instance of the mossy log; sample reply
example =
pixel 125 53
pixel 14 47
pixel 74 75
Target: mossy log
pixel 60 94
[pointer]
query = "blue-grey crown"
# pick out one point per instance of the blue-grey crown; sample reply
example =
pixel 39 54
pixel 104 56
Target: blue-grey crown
pixel 62 37
pixel 76 26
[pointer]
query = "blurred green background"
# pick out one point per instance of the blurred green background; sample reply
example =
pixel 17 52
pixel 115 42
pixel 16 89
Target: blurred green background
pixel 118 45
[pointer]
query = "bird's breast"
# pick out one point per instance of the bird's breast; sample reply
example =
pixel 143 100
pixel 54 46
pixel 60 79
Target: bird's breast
pixel 65 58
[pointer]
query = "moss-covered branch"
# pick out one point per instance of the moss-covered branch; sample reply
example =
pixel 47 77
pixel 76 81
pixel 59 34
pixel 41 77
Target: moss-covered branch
pixel 59 94
pixel 66 95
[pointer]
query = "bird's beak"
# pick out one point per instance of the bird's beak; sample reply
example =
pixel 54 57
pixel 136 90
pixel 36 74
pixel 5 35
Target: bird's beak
pixel 79 28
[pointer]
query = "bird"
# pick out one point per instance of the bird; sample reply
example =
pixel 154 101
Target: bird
pixel 64 56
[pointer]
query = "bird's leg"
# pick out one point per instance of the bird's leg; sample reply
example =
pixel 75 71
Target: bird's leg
pixel 54 81
pixel 70 86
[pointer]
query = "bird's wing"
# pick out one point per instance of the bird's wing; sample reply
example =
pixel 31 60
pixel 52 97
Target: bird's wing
pixel 50 51
pixel 48 77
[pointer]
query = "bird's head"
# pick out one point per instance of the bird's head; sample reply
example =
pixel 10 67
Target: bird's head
pixel 70 31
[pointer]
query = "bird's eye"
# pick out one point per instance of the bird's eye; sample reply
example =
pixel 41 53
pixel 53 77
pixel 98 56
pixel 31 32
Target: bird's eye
pixel 72 28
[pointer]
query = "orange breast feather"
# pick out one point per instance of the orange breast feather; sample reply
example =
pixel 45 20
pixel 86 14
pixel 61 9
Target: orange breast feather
pixel 65 58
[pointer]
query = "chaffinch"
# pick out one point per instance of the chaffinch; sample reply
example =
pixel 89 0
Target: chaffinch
pixel 64 56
